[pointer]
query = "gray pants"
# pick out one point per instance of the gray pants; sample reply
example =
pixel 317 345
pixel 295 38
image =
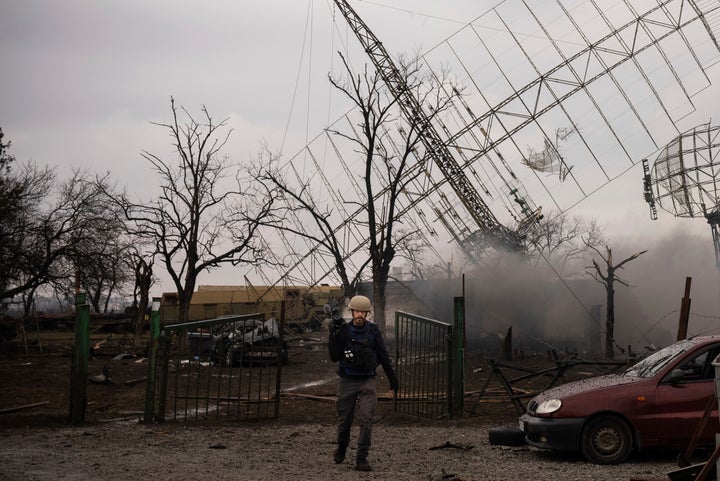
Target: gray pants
pixel 350 392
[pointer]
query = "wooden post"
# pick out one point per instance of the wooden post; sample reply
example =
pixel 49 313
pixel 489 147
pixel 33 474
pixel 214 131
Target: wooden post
pixel 78 377
pixel 458 356
pixel 684 311
pixel 152 361
pixel 507 346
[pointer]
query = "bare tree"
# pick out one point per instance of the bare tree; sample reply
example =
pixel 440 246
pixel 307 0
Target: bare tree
pixel 27 248
pixel 52 228
pixel 102 270
pixel 562 240
pixel 203 217
pixel 298 202
pixel 143 269
pixel 387 162
pixel 387 145
pixel 10 189
pixel 608 279
pixel 98 257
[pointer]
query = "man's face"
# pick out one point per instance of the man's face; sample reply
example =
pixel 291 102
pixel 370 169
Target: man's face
pixel 358 317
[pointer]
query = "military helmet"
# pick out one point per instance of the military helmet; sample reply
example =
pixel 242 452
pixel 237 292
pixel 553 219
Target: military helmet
pixel 360 303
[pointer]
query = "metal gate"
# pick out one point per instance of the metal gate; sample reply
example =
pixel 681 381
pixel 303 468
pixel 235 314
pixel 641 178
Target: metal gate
pixel 423 356
pixel 226 368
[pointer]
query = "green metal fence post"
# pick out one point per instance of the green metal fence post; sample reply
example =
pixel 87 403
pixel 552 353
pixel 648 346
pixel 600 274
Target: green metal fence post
pixel 458 355
pixel 78 377
pixel 450 349
pixel 397 358
pixel 152 361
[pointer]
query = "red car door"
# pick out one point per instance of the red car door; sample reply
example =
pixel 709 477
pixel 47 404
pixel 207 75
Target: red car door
pixel 677 407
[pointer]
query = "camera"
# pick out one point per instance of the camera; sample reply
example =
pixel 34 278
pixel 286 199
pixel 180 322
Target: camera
pixel 331 310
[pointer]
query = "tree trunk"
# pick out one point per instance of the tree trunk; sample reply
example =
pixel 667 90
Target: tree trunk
pixel 143 282
pixel 94 299
pixel 610 322
pixel 184 308
pixel 379 306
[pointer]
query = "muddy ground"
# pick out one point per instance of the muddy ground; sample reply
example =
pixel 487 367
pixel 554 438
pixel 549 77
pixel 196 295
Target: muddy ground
pixel 37 442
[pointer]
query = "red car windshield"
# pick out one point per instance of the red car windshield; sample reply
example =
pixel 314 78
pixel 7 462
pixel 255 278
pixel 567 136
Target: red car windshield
pixel 649 366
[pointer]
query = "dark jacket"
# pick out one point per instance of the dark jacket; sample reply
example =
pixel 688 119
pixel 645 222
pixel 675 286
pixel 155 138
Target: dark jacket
pixel 344 336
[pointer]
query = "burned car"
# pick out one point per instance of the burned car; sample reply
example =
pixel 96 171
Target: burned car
pixel 659 401
pixel 249 342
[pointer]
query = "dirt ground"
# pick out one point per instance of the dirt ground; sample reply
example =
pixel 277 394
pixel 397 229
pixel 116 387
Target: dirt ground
pixel 37 443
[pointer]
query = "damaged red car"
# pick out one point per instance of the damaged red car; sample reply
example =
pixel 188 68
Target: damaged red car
pixel 659 401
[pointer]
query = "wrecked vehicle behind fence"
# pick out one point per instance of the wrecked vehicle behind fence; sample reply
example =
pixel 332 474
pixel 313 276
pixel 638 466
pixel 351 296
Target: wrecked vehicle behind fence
pixel 222 368
pixel 248 341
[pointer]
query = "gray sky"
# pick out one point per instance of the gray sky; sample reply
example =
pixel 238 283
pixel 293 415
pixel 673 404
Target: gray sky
pixel 82 79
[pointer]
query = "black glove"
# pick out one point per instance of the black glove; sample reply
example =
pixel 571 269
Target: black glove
pixel 394 384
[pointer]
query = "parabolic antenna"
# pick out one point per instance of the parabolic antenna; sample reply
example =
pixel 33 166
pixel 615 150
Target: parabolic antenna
pixel 685 178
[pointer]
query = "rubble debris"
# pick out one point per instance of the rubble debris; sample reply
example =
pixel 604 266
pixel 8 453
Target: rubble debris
pixel 135 381
pixel 24 406
pixel 95 348
pixel 448 444
pixel 124 355
pixel 103 377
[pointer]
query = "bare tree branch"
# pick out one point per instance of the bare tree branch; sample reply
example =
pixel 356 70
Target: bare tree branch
pixel 203 217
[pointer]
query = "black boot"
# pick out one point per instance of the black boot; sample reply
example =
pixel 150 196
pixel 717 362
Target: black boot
pixel 361 464
pixel 339 455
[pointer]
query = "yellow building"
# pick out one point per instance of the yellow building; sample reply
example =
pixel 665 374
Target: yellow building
pixel 303 304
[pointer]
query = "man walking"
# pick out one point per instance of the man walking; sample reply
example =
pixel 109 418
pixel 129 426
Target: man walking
pixel 358 348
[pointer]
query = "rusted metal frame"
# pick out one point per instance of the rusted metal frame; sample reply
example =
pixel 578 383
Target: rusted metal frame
pixel 149 411
pixel 197 392
pixel 446 346
pixel 176 384
pixel 560 368
pixel 182 337
pixel 507 384
pixel 278 373
pixel 508 388
pixel 684 458
pixel 249 383
pixel 197 364
pixel 709 465
pixel 165 368
pixel 428 377
pixel 421 346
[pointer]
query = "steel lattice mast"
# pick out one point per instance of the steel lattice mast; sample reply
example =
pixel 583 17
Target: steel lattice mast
pixel 435 146
pixel 565 74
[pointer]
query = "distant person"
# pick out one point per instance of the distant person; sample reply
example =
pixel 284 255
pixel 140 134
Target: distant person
pixel 358 348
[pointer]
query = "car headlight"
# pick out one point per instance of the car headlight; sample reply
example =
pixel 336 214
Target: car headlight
pixel 549 406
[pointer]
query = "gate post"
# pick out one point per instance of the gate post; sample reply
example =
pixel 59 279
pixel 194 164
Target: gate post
pixel 152 361
pixel 458 349
pixel 78 376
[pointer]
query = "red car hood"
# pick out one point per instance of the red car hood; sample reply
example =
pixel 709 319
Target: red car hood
pixel 585 386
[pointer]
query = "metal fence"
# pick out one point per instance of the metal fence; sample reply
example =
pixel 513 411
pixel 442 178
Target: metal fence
pixel 227 368
pixel 424 363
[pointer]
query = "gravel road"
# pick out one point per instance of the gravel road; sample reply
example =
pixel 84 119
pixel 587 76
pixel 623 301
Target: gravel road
pixel 277 450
